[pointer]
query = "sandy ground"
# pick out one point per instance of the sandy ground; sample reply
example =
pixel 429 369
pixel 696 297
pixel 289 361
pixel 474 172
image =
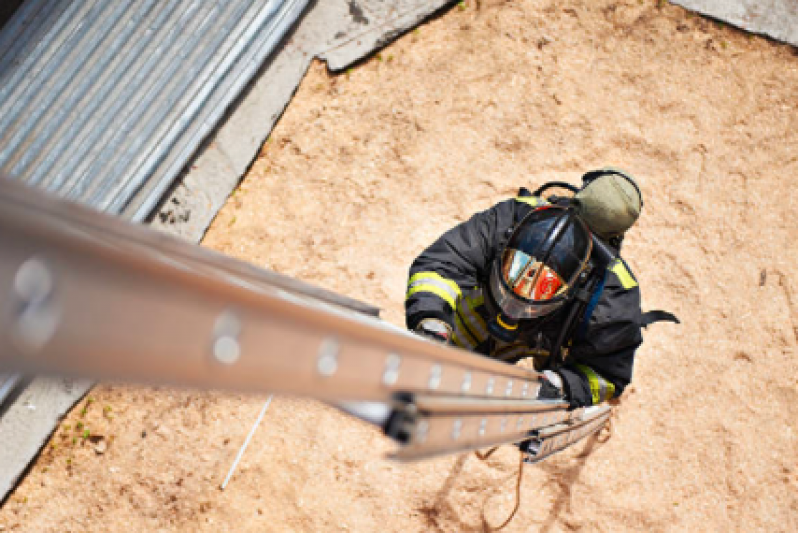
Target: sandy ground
pixel 368 167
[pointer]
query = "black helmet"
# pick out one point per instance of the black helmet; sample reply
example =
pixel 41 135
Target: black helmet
pixel 537 270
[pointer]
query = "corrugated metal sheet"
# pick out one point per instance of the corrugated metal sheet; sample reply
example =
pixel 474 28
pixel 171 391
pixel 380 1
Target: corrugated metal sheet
pixel 104 102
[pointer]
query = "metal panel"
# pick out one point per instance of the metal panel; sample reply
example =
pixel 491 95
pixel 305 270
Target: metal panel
pixel 775 18
pixel 104 102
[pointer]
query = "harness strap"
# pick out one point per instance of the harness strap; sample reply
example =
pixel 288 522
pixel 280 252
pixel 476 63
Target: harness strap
pixel 650 317
pixel 591 306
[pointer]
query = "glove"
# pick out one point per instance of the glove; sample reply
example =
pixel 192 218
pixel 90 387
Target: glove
pixel 551 387
pixel 435 329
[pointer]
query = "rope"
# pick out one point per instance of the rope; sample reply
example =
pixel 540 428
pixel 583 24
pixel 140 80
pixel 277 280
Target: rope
pixel 483 457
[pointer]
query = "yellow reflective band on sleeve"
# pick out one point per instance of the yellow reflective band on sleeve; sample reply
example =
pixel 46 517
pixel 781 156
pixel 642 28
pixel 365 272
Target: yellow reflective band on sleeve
pixel 601 390
pixel 433 276
pixel 619 269
pixel 436 284
pixel 443 293
pixel 533 201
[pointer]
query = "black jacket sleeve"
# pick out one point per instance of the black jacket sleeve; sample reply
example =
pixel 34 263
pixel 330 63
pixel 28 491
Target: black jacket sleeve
pixel 459 259
pixel 600 363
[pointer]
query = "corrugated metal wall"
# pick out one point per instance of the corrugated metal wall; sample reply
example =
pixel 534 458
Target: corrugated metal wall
pixel 104 102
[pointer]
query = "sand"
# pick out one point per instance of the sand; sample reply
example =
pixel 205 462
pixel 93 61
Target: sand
pixel 367 167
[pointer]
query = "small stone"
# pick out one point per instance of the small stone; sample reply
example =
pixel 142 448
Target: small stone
pixel 100 447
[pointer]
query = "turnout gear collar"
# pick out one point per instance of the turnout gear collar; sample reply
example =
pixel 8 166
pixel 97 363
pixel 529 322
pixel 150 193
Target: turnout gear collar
pixel 537 270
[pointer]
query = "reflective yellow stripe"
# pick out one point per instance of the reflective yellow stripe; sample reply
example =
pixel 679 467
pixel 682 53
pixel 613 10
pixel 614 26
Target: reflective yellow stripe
pixel 533 201
pixel 601 390
pixel 419 276
pixel 446 295
pixel 620 270
pixel 461 334
pixel 505 325
pixel 472 316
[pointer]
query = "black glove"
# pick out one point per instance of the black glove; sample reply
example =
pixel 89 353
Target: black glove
pixel 435 329
pixel 551 387
pixel 524 445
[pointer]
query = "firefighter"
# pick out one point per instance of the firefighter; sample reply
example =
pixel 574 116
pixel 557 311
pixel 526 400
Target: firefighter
pixel 542 279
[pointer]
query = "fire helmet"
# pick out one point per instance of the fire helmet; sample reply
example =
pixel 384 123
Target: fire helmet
pixel 538 269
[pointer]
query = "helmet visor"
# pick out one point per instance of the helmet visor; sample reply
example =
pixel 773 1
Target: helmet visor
pixel 515 305
pixel 529 278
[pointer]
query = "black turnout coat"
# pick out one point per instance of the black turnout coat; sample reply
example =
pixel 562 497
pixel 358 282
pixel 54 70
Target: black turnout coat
pixel 447 281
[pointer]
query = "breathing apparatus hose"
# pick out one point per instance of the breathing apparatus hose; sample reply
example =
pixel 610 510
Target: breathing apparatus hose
pixel 602 255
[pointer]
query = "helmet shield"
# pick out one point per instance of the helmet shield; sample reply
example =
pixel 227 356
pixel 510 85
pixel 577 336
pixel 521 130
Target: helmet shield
pixel 540 264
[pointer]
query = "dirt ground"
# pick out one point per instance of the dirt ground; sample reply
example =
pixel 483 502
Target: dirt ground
pixel 367 167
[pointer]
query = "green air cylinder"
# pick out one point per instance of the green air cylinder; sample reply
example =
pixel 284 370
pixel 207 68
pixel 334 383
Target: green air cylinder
pixel 609 202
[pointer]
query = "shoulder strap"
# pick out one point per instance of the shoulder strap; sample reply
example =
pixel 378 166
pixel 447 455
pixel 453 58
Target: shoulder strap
pixel 651 317
pixel 591 306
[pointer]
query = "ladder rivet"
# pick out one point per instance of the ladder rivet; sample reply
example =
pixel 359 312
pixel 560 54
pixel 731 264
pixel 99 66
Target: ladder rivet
pixel 327 363
pixel 226 348
pixel 466 382
pixel 458 427
pixel 391 374
pixel 423 431
pixel 37 313
pixel 435 377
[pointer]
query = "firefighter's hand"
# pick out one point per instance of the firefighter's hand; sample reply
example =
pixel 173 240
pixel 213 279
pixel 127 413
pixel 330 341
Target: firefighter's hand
pixel 435 329
pixel 524 445
pixel 551 387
